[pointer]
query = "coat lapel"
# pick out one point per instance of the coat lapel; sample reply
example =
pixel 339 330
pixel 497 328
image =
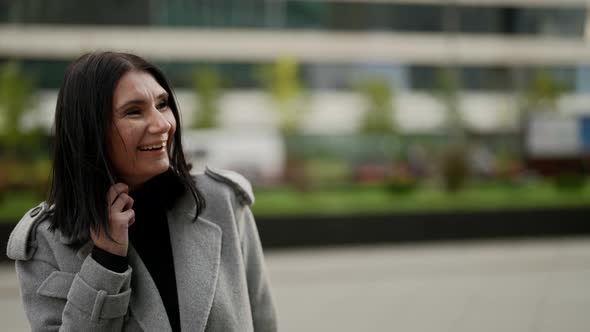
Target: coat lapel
pixel 196 247
pixel 146 304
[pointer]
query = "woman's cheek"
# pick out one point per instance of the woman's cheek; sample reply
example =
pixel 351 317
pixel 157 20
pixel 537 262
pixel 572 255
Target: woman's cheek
pixel 172 121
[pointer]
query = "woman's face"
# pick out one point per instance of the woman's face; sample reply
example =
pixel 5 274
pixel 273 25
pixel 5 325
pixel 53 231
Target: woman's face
pixel 142 130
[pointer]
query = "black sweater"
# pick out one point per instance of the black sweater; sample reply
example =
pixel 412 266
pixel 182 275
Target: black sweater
pixel 150 237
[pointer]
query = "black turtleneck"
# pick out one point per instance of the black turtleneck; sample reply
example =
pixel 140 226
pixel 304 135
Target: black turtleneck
pixel 150 237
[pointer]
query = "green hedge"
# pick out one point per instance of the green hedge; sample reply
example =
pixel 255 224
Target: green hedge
pixel 378 200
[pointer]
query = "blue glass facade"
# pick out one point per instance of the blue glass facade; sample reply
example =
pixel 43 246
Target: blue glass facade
pixel 311 14
pixel 325 16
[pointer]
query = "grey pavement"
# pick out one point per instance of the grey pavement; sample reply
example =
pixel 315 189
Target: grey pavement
pixel 516 285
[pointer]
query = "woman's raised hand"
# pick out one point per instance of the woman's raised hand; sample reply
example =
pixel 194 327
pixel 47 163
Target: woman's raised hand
pixel 121 216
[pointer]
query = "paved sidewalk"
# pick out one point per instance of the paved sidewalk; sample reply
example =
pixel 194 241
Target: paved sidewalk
pixel 518 285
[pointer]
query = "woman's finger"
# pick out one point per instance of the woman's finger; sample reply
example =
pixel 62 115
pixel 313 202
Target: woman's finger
pixel 128 215
pixel 122 203
pixel 115 191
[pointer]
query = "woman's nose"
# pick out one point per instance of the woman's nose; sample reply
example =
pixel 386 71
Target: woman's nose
pixel 158 122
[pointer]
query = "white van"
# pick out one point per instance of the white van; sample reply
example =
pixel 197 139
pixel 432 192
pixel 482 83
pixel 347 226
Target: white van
pixel 257 154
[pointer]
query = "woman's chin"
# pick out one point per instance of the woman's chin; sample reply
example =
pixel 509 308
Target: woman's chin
pixel 157 171
pixel 139 178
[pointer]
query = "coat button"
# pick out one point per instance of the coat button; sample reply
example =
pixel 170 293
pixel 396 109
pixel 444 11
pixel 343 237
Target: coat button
pixel 35 211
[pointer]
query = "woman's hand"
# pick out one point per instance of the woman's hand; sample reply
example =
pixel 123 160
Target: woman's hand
pixel 121 216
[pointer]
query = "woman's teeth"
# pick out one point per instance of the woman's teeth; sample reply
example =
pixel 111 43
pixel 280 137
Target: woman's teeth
pixel 152 147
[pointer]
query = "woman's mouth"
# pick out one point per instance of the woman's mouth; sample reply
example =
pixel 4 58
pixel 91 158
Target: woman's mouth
pixel 152 147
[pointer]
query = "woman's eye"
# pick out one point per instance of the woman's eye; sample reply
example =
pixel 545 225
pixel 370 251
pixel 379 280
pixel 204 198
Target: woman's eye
pixel 132 112
pixel 162 104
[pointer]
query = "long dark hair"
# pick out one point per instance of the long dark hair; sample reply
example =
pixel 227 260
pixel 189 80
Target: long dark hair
pixel 82 171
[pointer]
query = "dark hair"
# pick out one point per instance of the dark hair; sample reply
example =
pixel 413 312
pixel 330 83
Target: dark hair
pixel 81 173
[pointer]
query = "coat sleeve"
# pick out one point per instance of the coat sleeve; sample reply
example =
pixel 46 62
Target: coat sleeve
pixel 259 291
pixel 94 299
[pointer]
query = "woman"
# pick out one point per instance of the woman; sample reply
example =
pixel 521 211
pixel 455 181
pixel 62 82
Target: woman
pixel 125 240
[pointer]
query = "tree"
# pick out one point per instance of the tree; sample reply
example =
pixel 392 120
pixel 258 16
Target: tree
pixel 447 91
pixel 543 93
pixel 455 168
pixel 378 117
pixel 207 84
pixel 15 100
pixel 282 82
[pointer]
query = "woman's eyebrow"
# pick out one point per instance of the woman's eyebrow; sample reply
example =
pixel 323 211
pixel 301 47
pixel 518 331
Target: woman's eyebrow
pixel 163 95
pixel 131 102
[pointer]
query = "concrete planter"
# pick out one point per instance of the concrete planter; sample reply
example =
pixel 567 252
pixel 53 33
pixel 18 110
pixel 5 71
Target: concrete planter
pixel 315 231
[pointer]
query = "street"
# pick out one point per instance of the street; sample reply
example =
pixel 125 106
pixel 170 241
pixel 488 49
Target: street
pixel 510 285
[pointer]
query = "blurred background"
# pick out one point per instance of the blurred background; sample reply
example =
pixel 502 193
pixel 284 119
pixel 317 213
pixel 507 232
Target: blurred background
pixel 375 122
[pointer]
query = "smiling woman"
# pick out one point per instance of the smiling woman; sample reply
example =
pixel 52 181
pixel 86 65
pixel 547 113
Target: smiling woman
pixel 143 128
pixel 125 241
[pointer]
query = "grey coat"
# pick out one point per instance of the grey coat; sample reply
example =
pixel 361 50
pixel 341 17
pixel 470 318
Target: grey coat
pixel 220 273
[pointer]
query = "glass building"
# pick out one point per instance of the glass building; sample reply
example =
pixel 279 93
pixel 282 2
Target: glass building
pixel 495 46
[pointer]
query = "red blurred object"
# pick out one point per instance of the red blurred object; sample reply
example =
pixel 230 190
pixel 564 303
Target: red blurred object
pixel 372 173
pixel 556 166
